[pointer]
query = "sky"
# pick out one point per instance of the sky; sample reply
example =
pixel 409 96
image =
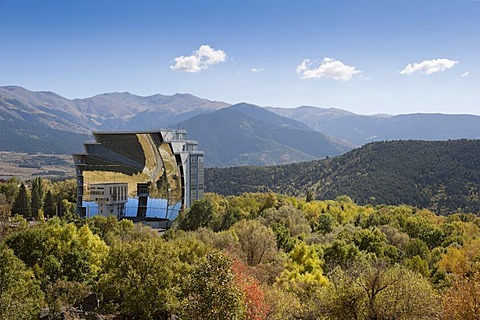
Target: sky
pixel 368 57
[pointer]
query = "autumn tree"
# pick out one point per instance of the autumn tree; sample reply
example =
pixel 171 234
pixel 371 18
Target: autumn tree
pixel 303 276
pixel 65 190
pixel 461 261
pixel 378 291
pixel 324 223
pixel 257 242
pixel 223 240
pixel 109 229
pixel 339 253
pixel 59 251
pixel 10 189
pixel 290 217
pixel 256 307
pixel 140 279
pixel 62 294
pixel 209 291
pixel 461 299
pixel 282 304
pixel 20 294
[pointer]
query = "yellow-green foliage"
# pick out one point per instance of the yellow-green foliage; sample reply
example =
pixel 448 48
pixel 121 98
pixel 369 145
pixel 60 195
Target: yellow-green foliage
pixel 20 294
pixel 140 278
pixel 92 243
pixel 323 259
pixel 343 209
pixel 59 250
pixel 303 269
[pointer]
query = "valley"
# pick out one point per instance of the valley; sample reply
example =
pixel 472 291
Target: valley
pixel 28 166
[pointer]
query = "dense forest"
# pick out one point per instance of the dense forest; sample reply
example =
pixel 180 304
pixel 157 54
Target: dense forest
pixel 443 176
pixel 251 256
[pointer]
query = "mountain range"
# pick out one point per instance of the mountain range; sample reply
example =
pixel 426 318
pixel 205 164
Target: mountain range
pixel 362 129
pixel 230 135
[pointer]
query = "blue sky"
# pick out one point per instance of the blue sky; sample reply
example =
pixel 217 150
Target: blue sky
pixel 390 56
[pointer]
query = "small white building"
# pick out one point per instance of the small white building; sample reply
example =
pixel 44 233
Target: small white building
pixel 111 198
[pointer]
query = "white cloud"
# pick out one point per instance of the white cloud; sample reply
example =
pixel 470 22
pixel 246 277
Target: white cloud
pixel 329 68
pixel 464 75
pixel 257 69
pixel 429 66
pixel 201 59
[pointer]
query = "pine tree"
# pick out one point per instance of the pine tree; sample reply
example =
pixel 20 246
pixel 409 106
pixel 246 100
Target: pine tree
pixel 49 205
pixel 37 196
pixel 309 197
pixel 40 188
pixel 22 203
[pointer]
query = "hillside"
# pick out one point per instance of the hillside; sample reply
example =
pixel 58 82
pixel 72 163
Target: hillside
pixel 248 134
pixel 40 122
pixel 440 175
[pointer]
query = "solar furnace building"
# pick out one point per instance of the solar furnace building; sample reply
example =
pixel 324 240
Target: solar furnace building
pixel 138 175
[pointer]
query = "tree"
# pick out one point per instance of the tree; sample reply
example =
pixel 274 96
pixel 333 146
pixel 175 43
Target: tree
pixel 256 307
pixel 21 204
pixel 109 229
pixel 257 242
pixel 20 294
pixel 65 190
pixel 339 253
pixel 283 305
pixel 303 270
pixel 59 251
pixel 303 276
pixel 140 279
pixel 282 235
pixel 223 240
pixel 461 261
pixel 420 227
pixel 460 301
pixel 417 247
pixel 324 224
pixel 49 207
pixel 377 291
pixel 370 240
pixel 62 294
pixel 209 291
pixel 37 196
pixel 10 189
pixel 4 216
pixel 309 196
pixel 199 215
pixel 289 216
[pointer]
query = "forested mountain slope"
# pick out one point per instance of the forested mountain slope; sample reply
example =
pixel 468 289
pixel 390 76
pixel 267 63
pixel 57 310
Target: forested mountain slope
pixel 440 175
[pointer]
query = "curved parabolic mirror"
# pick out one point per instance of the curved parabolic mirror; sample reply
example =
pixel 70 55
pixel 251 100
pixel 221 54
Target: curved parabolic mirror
pixel 131 174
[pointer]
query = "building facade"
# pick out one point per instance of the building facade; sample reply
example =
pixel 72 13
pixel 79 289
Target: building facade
pixel 141 175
